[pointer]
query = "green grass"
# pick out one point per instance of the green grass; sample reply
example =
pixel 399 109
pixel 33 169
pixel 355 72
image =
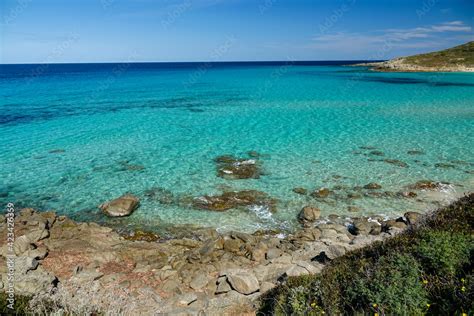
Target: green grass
pixel 21 306
pixel 425 271
pixel 459 55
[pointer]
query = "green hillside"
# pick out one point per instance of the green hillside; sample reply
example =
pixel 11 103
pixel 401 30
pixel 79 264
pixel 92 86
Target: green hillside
pixel 462 54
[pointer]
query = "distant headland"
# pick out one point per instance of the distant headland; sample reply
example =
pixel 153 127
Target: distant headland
pixel 456 59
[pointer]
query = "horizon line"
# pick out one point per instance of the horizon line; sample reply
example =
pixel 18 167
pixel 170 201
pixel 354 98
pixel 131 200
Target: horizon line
pixel 196 62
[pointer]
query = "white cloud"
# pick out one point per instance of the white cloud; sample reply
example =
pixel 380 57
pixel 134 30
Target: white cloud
pixel 383 42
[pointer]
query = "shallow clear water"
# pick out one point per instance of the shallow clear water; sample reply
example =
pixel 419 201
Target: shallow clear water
pixel 75 136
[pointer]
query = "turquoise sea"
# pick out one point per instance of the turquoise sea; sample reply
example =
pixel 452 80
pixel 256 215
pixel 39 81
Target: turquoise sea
pixel 74 136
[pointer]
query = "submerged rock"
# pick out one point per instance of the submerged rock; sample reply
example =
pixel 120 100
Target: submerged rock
pixel 321 193
pixel 407 194
pixel 415 152
pixel 234 199
pixel 301 191
pixel 122 206
pixel 372 186
pixel 163 196
pixel 233 168
pixel 444 165
pixel 426 185
pixel 377 153
pixel 57 151
pixel 396 162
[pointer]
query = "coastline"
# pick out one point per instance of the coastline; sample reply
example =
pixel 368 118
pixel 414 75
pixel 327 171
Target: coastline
pixel 223 273
pixel 401 65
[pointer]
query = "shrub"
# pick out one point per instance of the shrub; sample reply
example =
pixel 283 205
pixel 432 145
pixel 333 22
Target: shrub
pixel 425 270
pixel 392 286
pixel 443 253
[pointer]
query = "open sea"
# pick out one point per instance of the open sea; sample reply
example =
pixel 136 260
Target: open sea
pixel 76 135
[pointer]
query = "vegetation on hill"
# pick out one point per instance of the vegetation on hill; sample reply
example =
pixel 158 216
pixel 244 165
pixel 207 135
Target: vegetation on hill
pixel 462 54
pixel 426 270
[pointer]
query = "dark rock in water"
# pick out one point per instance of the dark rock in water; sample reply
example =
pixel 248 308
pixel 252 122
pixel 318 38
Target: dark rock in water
pixel 352 208
pixel 309 214
pixel 301 191
pixel 233 168
pixel 321 193
pixel 372 186
pixel 253 154
pixel 407 194
pixel 127 166
pixel 195 110
pixel 376 153
pixel 444 165
pixel 163 196
pixel 396 162
pixel 353 195
pixel 412 217
pixel 368 147
pixel 225 159
pixel 57 151
pixel 229 200
pixel 122 206
pixel 415 152
pixel 426 185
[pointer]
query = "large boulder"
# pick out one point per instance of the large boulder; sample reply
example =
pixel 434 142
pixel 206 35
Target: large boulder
pixel 412 217
pixel 243 282
pixel 122 206
pixel 309 214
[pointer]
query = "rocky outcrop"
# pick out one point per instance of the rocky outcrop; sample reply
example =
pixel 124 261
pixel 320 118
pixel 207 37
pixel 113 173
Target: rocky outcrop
pixel 122 206
pixel 60 260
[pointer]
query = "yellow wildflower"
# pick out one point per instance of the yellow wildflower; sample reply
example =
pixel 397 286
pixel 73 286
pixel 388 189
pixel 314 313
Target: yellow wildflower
pixel 313 304
pixel 428 305
pixel 374 305
pixel 463 280
pixel 425 281
pixel 376 314
pixel 463 289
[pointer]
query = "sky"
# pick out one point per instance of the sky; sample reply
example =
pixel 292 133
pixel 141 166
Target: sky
pixel 59 31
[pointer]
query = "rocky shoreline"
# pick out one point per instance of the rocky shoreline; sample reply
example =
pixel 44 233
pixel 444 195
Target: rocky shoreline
pixel 401 65
pixel 85 268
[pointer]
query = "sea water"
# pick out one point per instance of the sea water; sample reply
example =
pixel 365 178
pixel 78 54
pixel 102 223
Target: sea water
pixel 75 136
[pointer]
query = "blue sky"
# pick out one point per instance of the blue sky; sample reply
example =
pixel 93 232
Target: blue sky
pixel 226 30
